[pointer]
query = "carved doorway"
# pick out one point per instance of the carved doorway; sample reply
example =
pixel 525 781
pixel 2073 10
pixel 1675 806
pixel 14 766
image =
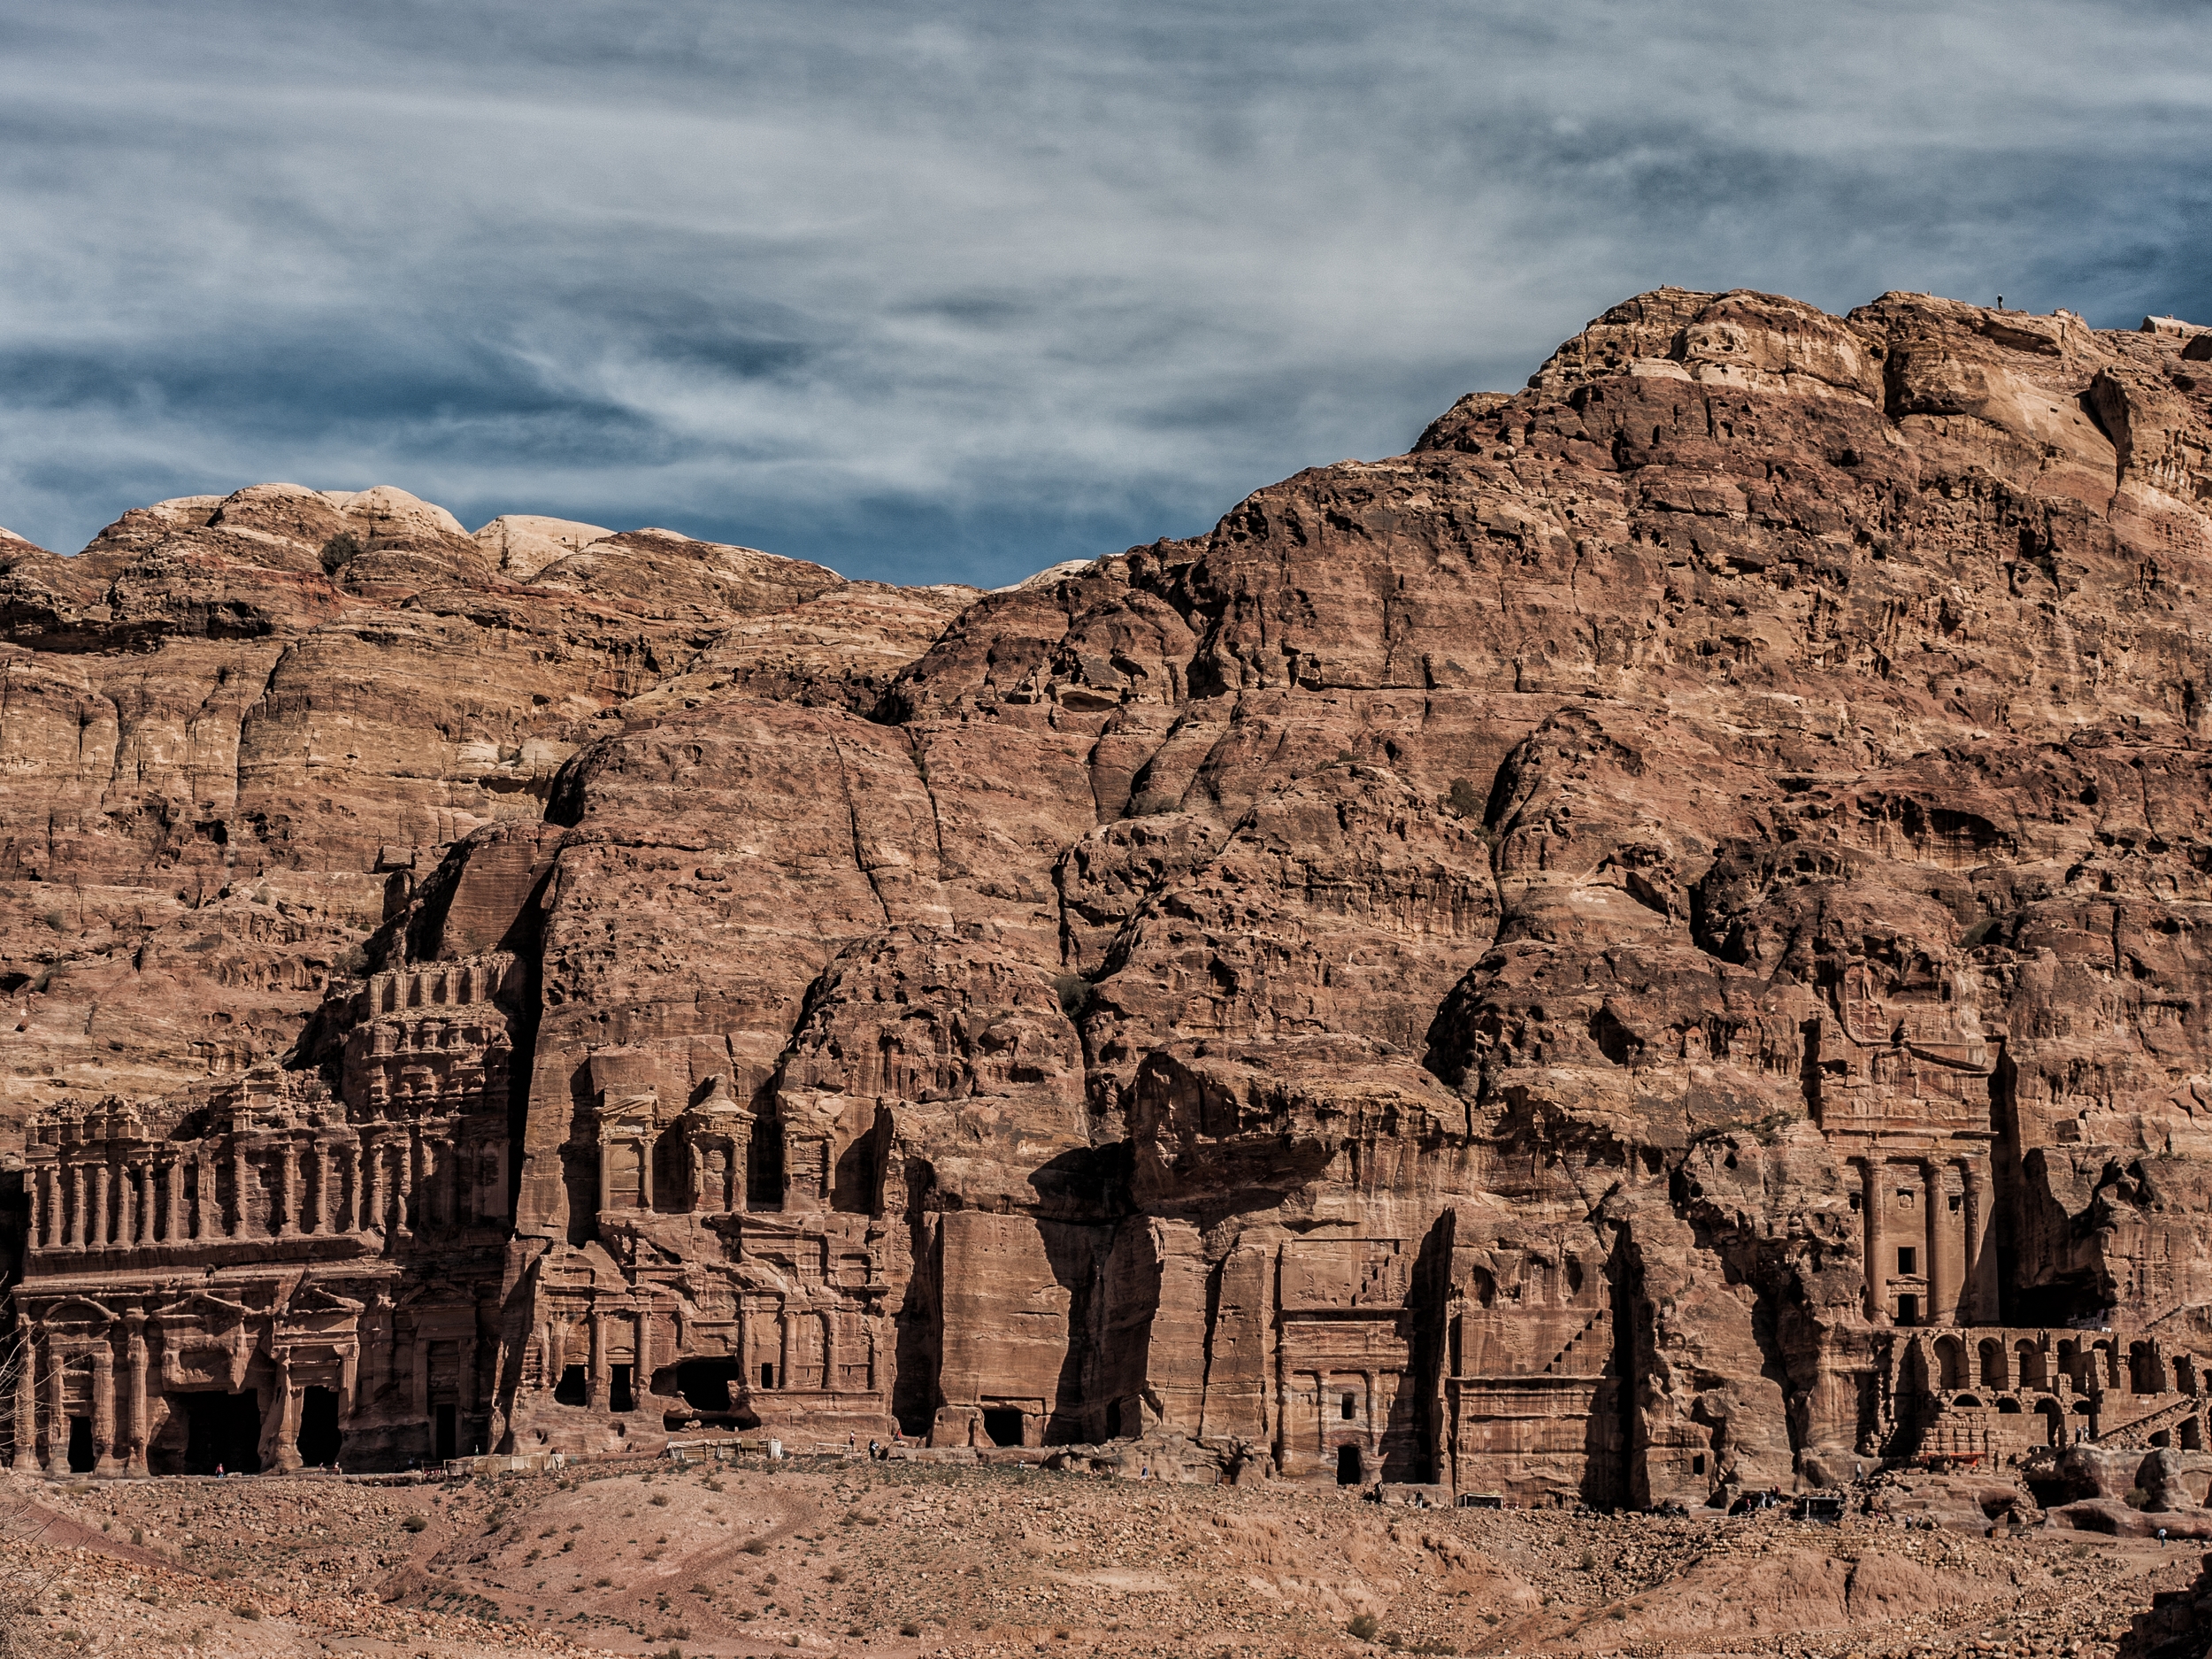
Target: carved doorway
pixel 319 1439
pixel 222 1431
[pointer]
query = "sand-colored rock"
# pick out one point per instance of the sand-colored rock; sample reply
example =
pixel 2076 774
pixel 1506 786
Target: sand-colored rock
pixel 1642 950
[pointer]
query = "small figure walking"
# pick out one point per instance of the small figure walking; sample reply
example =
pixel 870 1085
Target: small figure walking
pixel 218 1472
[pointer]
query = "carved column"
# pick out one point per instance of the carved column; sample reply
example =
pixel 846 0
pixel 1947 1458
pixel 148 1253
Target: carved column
pixel 1876 1243
pixel 146 1202
pixel 134 1350
pixel 37 1185
pixel 321 1186
pixel 98 1233
pixel 289 1187
pixel 126 1203
pixel 27 1398
pixel 241 1217
pixel 642 1361
pixel 783 1348
pixel 419 1391
pixel 598 1401
pixel 409 1159
pixel 56 1417
pixel 172 1194
pixel 203 1193
pixel 1943 1268
pixel 349 1211
pixel 375 1219
pixel 104 1409
pixel 464 1390
pixel 287 1436
pixel 348 1378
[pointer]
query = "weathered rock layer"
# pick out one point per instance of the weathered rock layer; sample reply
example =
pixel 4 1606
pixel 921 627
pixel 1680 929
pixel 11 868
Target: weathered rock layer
pixel 1646 945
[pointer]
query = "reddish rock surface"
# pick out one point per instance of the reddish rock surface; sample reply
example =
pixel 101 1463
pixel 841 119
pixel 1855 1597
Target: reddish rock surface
pixel 1644 948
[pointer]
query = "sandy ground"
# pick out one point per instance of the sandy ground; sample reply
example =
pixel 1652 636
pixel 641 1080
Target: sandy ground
pixel 907 1560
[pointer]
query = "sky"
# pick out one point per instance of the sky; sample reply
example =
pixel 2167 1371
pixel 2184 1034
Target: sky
pixel 954 292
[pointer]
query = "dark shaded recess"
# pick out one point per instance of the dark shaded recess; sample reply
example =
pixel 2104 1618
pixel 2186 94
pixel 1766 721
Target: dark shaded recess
pixel 1347 1464
pixel 1607 1431
pixel 565 804
pixel 319 1440
pixel 1615 1040
pixel 1003 1425
pixel 80 1453
pixel 447 1441
pixel 1417 1416
pixel 1086 1183
pixel 223 1428
pixel 621 1395
pixel 763 1160
pixel 573 1389
pixel 918 1322
pixel 710 1386
pixel 857 1185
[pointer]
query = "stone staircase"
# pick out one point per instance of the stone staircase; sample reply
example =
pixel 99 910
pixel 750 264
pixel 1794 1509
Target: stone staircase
pixel 2138 1430
pixel 1599 1329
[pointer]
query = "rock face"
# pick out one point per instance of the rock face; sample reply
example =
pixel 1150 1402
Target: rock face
pixel 1645 945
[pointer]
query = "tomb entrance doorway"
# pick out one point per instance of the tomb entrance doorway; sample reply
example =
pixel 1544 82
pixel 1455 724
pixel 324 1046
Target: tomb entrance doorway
pixel 221 1430
pixel 319 1439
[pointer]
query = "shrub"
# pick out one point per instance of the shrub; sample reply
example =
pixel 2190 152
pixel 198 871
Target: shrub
pixel 414 1523
pixel 247 1611
pixel 910 1629
pixel 1363 1626
pixel 660 1500
pixel 758 1547
pixel 836 1575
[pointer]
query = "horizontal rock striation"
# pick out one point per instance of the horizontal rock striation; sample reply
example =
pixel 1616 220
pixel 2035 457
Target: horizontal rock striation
pixel 1643 948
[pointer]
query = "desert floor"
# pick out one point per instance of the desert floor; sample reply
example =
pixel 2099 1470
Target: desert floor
pixel 900 1559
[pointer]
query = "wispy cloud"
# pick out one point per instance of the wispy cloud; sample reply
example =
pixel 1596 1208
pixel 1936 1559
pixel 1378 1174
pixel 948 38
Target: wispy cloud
pixel 956 292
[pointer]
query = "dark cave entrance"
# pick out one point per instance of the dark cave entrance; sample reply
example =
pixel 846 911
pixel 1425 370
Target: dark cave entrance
pixel 1347 1464
pixel 80 1457
pixel 447 1434
pixel 1003 1425
pixel 318 1438
pixel 221 1430
pixel 571 1390
pixel 705 1383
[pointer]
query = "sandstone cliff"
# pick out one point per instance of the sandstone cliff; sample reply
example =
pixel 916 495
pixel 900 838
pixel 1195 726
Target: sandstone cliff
pixel 1645 945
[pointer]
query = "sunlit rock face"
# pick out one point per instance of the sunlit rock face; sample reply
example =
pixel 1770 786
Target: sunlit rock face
pixel 1645 945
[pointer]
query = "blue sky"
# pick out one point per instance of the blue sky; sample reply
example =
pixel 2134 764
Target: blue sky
pixel 953 292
